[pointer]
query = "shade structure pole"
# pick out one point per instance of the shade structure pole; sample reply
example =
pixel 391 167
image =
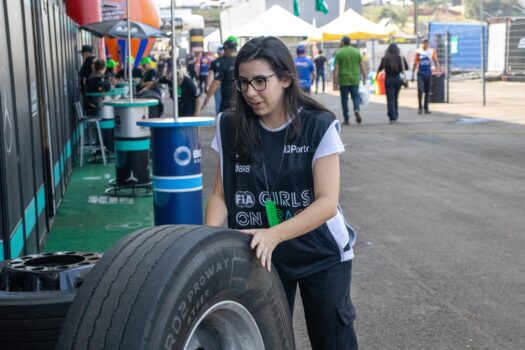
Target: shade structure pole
pixel 130 75
pixel 174 65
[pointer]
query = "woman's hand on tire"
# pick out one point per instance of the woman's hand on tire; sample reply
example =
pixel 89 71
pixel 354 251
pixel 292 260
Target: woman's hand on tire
pixel 264 242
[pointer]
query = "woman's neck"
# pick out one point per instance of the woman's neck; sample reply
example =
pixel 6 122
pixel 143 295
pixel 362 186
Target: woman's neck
pixel 275 119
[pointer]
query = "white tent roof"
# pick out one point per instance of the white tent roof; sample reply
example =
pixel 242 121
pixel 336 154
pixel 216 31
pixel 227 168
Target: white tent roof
pixel 276 21
pixel 354 26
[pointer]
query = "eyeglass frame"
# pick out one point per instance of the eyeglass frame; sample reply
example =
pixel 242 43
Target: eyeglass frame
pixel 249 82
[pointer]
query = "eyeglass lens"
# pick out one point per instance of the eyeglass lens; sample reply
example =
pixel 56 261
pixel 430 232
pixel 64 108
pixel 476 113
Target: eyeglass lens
pixel 258 83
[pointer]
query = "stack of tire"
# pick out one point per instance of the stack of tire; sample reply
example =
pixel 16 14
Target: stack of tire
pixel 35 294
pixel 178 287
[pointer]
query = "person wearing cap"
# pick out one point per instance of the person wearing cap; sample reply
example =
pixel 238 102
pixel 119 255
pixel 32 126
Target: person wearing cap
pixel 111 64
pixel 305 69
pixel 425 55
pixel 87 66
pixel 150 77
pixel 348 64
pixel 223 76
pixel 149 87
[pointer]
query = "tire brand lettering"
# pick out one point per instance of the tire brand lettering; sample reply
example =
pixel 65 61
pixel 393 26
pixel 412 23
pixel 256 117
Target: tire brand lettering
pixel 193 301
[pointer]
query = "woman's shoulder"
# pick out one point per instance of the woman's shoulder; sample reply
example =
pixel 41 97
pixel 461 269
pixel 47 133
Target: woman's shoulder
pixel 316 116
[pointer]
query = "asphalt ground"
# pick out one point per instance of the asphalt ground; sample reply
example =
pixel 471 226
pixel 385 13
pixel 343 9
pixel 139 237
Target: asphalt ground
pixel 438 202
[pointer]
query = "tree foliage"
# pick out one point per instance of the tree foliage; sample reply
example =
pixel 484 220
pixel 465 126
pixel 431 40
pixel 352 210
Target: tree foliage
pixel 491 8
pixel 399 14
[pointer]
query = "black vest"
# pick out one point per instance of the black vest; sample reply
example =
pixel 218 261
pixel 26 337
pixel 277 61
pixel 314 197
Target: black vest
pixel 245 192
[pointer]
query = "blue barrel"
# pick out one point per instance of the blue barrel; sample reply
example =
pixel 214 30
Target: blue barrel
pixel 132 142
pixel 177 175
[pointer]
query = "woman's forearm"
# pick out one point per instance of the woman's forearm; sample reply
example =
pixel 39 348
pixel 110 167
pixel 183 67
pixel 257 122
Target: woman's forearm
pixel 316 214
pixel 216 211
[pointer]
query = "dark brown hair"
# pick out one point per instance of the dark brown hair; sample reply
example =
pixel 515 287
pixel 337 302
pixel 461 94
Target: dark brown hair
pixel 245 138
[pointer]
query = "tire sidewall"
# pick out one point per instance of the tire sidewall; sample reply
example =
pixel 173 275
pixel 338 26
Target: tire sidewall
pixel 223 270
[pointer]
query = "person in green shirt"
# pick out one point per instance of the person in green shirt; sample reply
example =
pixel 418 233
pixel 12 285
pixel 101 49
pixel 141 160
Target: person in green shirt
pixel 348 65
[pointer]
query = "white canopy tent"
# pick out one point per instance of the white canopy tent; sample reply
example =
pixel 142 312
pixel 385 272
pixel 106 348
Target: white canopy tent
pixel 278 22
pixel 354 26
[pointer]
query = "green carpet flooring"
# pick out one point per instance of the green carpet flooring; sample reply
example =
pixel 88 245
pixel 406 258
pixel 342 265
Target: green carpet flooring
pixel 88 220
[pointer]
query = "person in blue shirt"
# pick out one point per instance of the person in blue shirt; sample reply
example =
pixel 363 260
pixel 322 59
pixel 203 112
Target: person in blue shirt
pixel 305 69
pixel 425 55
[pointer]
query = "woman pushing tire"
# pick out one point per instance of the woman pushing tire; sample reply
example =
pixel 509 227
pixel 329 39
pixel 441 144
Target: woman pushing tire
pixel 179 287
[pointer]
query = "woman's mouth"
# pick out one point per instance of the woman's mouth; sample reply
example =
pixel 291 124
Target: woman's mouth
pixel 256 104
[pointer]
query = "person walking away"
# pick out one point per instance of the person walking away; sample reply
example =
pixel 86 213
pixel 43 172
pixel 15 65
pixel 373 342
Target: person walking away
pixel 394 64
pixel 97 82
pixel 224 75
pixel 425 55
pixel 320 63
pixel 287 148
pixel 204 70
pixel 305 69
pixel 214 67
pixel 346 77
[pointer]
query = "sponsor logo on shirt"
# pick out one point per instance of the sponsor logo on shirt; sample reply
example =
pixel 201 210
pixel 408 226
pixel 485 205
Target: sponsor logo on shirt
pixel 244 199
pixel 240 168
pixel 289 204
pixel 296 149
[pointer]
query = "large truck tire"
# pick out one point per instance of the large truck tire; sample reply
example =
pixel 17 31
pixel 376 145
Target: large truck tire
pixel 32 320
pixel 35 294
pixel 179 287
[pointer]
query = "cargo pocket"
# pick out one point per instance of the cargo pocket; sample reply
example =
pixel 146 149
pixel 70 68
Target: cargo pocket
pixel 346 337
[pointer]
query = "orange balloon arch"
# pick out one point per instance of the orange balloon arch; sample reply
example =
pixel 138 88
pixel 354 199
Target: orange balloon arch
pixel 90 11
pixel 143 11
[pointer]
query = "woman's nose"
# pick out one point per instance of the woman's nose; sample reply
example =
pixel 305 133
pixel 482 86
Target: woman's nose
pixel 251 91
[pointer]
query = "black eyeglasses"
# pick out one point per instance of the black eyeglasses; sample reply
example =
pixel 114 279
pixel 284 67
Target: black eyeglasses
pixel 258 83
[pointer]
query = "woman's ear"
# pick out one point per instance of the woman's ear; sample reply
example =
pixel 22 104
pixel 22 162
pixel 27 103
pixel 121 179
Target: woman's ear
pixel 286 81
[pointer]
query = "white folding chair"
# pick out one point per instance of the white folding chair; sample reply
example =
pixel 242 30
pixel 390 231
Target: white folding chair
pixel 84 123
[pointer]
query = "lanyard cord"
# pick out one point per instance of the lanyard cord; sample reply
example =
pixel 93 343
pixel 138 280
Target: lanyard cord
pixel 280 163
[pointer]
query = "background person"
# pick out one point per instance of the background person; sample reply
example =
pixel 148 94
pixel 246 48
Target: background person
pixel 305 69
pixel 425 55
pixel 149 87
pixel 214 67
pixel 320 62
pixel 97 82
pixel 346 77
pixel 309 242
pixel 224 75
pixel 188 94
pixel 87 67
pixel 204 70
pixel 393 64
